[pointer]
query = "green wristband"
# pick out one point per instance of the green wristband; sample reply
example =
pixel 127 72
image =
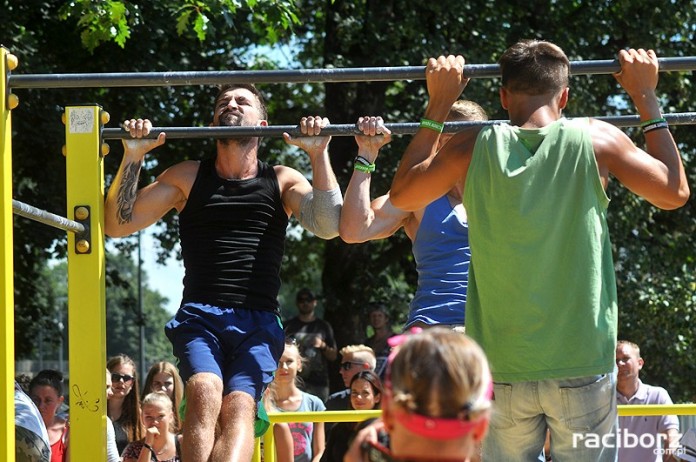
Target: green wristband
pixel 432 125
pixel 652 121
pixel 364 168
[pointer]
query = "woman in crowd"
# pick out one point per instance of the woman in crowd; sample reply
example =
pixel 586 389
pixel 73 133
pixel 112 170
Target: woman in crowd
pixel 161 443
pixel 164 376
pixel 365 394
pixel 285 395
pixel 436 401
pixel 112 454
pixel 282 437
pixel 46 390
pixel 124 404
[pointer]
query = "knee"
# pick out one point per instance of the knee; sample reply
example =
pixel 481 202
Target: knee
pixel 238 405
pixel 204 390
pixel 204 384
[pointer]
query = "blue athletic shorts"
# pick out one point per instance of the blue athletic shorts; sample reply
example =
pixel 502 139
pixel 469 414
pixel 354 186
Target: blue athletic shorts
pixel 240 346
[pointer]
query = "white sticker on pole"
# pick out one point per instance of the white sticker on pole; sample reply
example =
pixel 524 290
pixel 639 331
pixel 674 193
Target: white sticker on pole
pixel 81 120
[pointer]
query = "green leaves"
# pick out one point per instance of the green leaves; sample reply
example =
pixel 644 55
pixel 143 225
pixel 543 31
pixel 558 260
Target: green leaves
pixel 113 20
pixel 99 22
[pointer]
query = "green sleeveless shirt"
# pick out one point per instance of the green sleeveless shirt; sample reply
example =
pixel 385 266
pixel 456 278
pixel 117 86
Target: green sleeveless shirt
pixel 542 291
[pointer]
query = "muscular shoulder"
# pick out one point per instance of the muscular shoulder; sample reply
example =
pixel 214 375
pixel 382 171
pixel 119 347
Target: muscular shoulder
pixel 181 176
pixel 609 143
pixel 288 177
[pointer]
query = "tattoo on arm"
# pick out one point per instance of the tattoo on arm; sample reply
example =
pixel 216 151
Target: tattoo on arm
pixel 127 192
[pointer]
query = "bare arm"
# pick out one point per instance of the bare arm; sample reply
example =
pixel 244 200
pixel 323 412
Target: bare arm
pixel 671 444
pixel 318 441
pixel 283 442
pixel 128 209
pixel 362 220
pixel 657 174
pixel 422 175
pixel 298 193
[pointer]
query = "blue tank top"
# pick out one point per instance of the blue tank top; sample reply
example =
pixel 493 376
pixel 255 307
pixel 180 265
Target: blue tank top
pixel 232 240
pixel 441 250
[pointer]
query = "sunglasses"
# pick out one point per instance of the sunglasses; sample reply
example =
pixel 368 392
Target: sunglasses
pixel 348 364
pixel 118 377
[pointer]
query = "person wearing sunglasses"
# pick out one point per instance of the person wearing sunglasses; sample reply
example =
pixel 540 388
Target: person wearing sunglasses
pixel 315 339
pixel 354 358
pixel 124 403
pixel 436 402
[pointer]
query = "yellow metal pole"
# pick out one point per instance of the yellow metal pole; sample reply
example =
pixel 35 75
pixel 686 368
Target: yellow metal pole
pixel 7 435
pixel 656 409
pixel 86 280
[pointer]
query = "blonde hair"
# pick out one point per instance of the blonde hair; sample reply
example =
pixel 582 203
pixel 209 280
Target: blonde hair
pixel 361 353
pixel 440 373
pixel 634 346
pixel 463 109
pixel 158 398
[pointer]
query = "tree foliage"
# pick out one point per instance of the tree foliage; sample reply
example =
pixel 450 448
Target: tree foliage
pixel 123 316
pixel 654 250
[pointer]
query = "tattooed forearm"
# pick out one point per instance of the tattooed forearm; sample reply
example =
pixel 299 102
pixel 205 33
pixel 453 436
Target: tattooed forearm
pixel 127 192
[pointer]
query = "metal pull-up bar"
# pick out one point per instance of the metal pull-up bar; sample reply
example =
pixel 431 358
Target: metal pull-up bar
pixel 405 128
pixel 47 218
pixel 361 74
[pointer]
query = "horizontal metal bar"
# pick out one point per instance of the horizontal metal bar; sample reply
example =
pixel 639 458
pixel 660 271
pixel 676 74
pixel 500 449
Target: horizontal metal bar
pixel 404 128
pixel 47 218
pixel 360 74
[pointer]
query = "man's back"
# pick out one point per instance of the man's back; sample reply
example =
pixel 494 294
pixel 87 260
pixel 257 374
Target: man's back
pixel 545 275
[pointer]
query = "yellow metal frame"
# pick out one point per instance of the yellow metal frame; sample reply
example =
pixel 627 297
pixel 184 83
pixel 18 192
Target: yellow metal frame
pixel 287 417
pixel 86 284
pixel 7 434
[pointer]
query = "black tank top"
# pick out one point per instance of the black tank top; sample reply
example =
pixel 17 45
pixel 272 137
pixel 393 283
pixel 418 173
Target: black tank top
pixel 232 240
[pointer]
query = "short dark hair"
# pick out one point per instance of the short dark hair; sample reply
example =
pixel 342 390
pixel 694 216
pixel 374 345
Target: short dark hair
pixel 534 67
pixel 248 86
pixel 50 378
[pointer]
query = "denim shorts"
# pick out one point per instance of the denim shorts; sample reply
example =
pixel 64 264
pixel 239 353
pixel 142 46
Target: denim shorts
pixel 240 346
pixel 577 412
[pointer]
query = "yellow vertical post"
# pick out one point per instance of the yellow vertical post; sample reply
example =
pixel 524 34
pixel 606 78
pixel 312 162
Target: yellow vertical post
pixel 86 280
pixel 7 437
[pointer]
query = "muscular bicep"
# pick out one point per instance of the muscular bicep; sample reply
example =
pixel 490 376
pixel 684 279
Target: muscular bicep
pixel 126 215
pixel 293 188
pixel 379 222
pixel 642 173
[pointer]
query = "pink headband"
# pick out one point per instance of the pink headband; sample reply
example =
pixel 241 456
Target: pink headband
pixel 430 427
